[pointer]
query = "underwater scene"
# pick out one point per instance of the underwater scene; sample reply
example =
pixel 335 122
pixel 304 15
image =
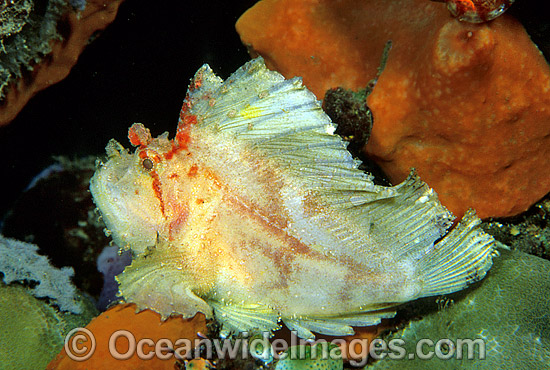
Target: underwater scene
pixel 274 184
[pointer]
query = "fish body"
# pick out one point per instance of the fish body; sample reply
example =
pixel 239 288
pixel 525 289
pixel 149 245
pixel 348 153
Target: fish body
pixel 255 212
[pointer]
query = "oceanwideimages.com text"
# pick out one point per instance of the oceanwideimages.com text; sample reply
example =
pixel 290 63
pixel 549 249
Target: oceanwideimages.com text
pixel 80 345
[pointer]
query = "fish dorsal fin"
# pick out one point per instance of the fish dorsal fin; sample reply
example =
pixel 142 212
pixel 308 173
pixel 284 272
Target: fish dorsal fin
pixel 283 120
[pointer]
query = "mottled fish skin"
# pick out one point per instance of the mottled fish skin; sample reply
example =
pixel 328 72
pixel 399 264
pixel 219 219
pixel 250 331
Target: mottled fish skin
pixel 256 212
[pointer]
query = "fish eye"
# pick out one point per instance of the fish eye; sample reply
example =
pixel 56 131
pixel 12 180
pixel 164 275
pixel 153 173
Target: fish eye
pixel 147 164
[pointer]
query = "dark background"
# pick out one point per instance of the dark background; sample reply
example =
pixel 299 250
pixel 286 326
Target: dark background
pixel 137 70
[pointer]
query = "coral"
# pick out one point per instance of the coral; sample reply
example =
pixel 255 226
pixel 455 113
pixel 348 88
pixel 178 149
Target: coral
pixel 451 102
pixel 14 16
pixel 144 324
pixel 509 311
pixel 25 32
pixel 20 262
pixel 31 331
pixel 20 311
pixel 42 43
pixel 37 328
pixel 325 357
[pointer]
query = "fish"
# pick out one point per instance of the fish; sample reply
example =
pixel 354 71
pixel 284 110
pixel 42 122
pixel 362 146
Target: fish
pixel 256 214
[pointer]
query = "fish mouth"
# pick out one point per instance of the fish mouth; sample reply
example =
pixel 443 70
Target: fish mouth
pixel 130 219
pixel 107 180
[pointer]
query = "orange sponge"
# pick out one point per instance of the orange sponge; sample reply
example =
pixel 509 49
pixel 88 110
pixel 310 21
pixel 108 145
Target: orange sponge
pixel 467 105
pixel 144 324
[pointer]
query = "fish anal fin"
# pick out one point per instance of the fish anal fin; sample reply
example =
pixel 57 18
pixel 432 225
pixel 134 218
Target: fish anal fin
pixel 335 325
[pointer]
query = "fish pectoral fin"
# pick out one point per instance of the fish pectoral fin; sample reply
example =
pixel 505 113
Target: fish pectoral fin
pixel 158 283
pixel 335 325
pixel 237 318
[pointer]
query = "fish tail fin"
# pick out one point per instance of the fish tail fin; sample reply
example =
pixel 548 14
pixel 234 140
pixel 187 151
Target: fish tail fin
pixel 462 257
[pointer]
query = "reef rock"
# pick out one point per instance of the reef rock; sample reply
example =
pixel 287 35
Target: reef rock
pixel 465 104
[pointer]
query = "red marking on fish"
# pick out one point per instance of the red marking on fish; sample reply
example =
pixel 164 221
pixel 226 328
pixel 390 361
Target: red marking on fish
pixel 193 170
pixel 179 221
pixel 157 188
pixel 139 135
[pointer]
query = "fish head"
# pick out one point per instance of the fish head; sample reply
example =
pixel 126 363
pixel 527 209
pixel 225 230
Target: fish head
pixel 126 189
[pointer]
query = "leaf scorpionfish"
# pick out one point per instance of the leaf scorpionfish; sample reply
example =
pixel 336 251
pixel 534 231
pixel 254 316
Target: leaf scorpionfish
pixel 256 213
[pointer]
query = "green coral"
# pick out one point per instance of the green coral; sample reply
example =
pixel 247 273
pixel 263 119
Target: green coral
pixel 31 331
pixel 326 357
pixel 509 311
